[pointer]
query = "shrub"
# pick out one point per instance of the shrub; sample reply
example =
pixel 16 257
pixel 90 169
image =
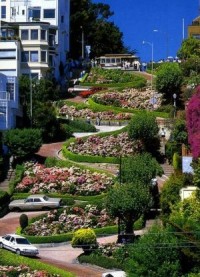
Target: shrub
pixel 84 238
pixel 23 221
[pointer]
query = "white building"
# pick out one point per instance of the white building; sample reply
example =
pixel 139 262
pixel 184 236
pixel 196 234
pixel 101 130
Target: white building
pixel 54 12
pixel 34 41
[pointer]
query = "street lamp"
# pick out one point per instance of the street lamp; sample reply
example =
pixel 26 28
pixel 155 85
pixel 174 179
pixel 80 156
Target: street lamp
pixel 82 41
pixel 174 97
pixel 167 41
pixel 151 44
pixel 31 98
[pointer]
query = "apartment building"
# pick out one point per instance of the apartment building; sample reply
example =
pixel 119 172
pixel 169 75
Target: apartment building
pixel 33 41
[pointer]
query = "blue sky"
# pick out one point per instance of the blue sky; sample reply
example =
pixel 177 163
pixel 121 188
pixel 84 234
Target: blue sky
pixel 138 19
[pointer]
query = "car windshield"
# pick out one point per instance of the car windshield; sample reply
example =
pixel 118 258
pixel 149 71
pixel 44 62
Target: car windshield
pixel 22 241
pixel 46 198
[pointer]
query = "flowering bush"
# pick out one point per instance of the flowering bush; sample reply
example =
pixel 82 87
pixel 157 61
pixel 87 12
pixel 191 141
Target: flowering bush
pixel 112 146
pixel 23 271
pixel 70 219
pixel 40 179
pixel 83 113
pixel 193 123
pixel 129 98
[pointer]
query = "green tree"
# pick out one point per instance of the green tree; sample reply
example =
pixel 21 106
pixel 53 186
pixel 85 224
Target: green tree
pixel 184 220
pixel 190 47
pixel 23 142
pixel 170 194
pixel 128 202
pixel 141 167
pixel 43 91
pixel 154 254
pixel 145 128
pixel 169 80
pixel 44 118
pixel 93 19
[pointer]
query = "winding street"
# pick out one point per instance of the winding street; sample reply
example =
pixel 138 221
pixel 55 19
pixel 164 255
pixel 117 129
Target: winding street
pixel 63 255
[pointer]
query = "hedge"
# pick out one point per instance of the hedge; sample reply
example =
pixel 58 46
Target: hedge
pixel 19 171
pixel 4 200
pixel 8 258
pixel 101 261
pixel 99 107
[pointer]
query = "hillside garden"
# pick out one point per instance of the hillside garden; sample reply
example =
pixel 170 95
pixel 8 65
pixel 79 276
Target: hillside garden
pixel 99 199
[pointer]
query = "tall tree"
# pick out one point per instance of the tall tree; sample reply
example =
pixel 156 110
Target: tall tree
pixel 169 80
pixel 90 21
pixel 190 47
pixel 128 202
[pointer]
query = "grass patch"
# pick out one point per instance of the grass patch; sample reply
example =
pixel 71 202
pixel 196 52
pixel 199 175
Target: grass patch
pixel 8 258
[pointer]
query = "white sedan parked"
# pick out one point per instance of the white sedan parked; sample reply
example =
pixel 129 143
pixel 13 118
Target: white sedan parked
pixel 18 244
pixel 114 274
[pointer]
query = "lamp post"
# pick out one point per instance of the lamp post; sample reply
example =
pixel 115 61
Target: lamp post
pixel 167 40
pixel 82 41
pixel 151 44
pixel 31 98
pixel 174 97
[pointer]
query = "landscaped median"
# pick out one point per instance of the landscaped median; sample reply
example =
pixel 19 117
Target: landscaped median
pixel 102 148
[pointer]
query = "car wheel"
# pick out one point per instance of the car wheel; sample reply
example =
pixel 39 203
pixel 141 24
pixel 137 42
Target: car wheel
pixel 18 252
pixel 46 209
pixel 16 210
pixel 1 245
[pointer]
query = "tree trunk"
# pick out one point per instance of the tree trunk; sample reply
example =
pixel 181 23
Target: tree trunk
pixel 129 232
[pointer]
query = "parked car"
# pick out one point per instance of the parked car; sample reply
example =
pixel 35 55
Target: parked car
pixel 18 244
pixel 114 274
pixel 35 202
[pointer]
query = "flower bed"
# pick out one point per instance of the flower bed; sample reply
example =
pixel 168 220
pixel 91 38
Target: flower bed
pixel 23 271
pixel 69 220
pixel 109 146
pixel 40 179
pixel 130 98
pixel 71 111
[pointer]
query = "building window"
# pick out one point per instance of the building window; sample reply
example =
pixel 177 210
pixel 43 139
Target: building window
pixel 43 56
pixel 34 34
pixel 62 19
pixel 24 56
pixel 43 34
pixel 49 13
pixel 34 56
pixel 23 12
pixel 34 13
pixel 3 11
pixel 51 40
pixel 51 63
pixel 7 54
pixel 24 34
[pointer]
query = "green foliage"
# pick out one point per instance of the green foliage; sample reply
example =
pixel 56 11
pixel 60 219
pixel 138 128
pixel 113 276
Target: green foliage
pixel 8 258
pixel 19 171
pixel 23 221
pixel 149 256
pixel 128 202
pixel 141 168
pixel 169 80
pixel 145 128
pixel 170 193
pixel 94 18
pixel 4 200
pixel 184 220
pixel 197 174
pixel 23 142
pixel 44 118
pixel 84 238
pixel 99 260
pixel 177 162
pixel 189 48
pixel 116 76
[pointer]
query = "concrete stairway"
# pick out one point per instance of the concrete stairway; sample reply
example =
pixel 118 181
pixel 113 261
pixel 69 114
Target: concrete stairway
pixel 4 185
